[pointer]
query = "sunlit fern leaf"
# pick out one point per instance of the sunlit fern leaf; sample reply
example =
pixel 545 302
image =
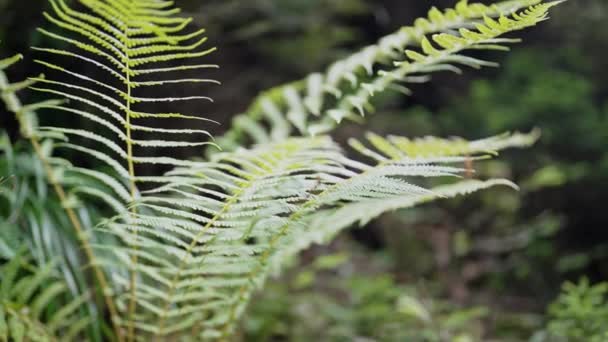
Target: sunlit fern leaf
pixel 329 222
pixel 397 147
pixel 316 104
pixel 136 44
pixel 132 42
pixel 219 228
pixel 372 190
pixel 36 306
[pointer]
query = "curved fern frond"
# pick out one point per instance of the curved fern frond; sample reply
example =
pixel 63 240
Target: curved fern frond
pixel 329 222
pixel 315 105
pixel 36 306
pixel 373 190
pixel 218 229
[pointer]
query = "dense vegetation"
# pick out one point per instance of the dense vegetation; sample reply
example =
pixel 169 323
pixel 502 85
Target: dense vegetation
pixel 483 267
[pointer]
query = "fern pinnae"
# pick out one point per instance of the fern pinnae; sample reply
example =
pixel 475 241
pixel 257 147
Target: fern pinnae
pixel 208 229
pixel 383 184
pixel 331 221
pixel 232 201
pixel 350 81
pixel 182 265
pixel 445 57
pixel 127 36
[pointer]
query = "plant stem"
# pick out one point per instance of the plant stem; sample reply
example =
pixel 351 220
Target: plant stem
pixel 133 191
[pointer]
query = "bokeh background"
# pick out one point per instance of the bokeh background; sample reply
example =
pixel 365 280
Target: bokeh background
pixel 485 267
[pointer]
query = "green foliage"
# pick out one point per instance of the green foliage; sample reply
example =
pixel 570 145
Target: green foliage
pixel 313 30
pixel 36 305
pixel 32 216
pixel 579 313
pixel 521 97
pixel 179 255
pixel 338 302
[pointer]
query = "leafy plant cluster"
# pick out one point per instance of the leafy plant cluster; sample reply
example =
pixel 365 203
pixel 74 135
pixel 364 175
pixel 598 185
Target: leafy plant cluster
pixel 357 304
pixel 179 255
pixel 579 313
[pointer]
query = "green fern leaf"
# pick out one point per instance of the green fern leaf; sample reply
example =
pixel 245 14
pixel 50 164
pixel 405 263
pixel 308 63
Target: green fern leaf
pixel 345 90
pixel 136 43
pixel 219 228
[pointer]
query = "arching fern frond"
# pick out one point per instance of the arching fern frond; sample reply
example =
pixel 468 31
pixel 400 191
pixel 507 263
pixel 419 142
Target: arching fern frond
pixel 219 228
pixel 329 222
pixel 36 306
pixel 373 189
pixel 315 105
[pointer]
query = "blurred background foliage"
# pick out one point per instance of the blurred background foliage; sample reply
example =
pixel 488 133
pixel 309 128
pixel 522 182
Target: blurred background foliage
pixel 485 268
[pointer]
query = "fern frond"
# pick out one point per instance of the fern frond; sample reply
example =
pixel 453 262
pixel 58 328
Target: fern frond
pixel 122 39
pixel 330 222
pixel 36 306
pixel 219 228
pixel 373 190
pixel 397 147
pixel 136 44
pixel 316 104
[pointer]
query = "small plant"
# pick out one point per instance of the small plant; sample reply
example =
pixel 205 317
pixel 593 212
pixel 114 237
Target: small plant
pixel 580 313
pixel 178 255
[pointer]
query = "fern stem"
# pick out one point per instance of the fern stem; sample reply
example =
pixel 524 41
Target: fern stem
pixel 133 191
pixel 80 232
pixel 14 105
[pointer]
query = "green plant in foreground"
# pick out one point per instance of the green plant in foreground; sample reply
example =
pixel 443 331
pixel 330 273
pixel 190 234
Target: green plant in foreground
pixel 177 256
